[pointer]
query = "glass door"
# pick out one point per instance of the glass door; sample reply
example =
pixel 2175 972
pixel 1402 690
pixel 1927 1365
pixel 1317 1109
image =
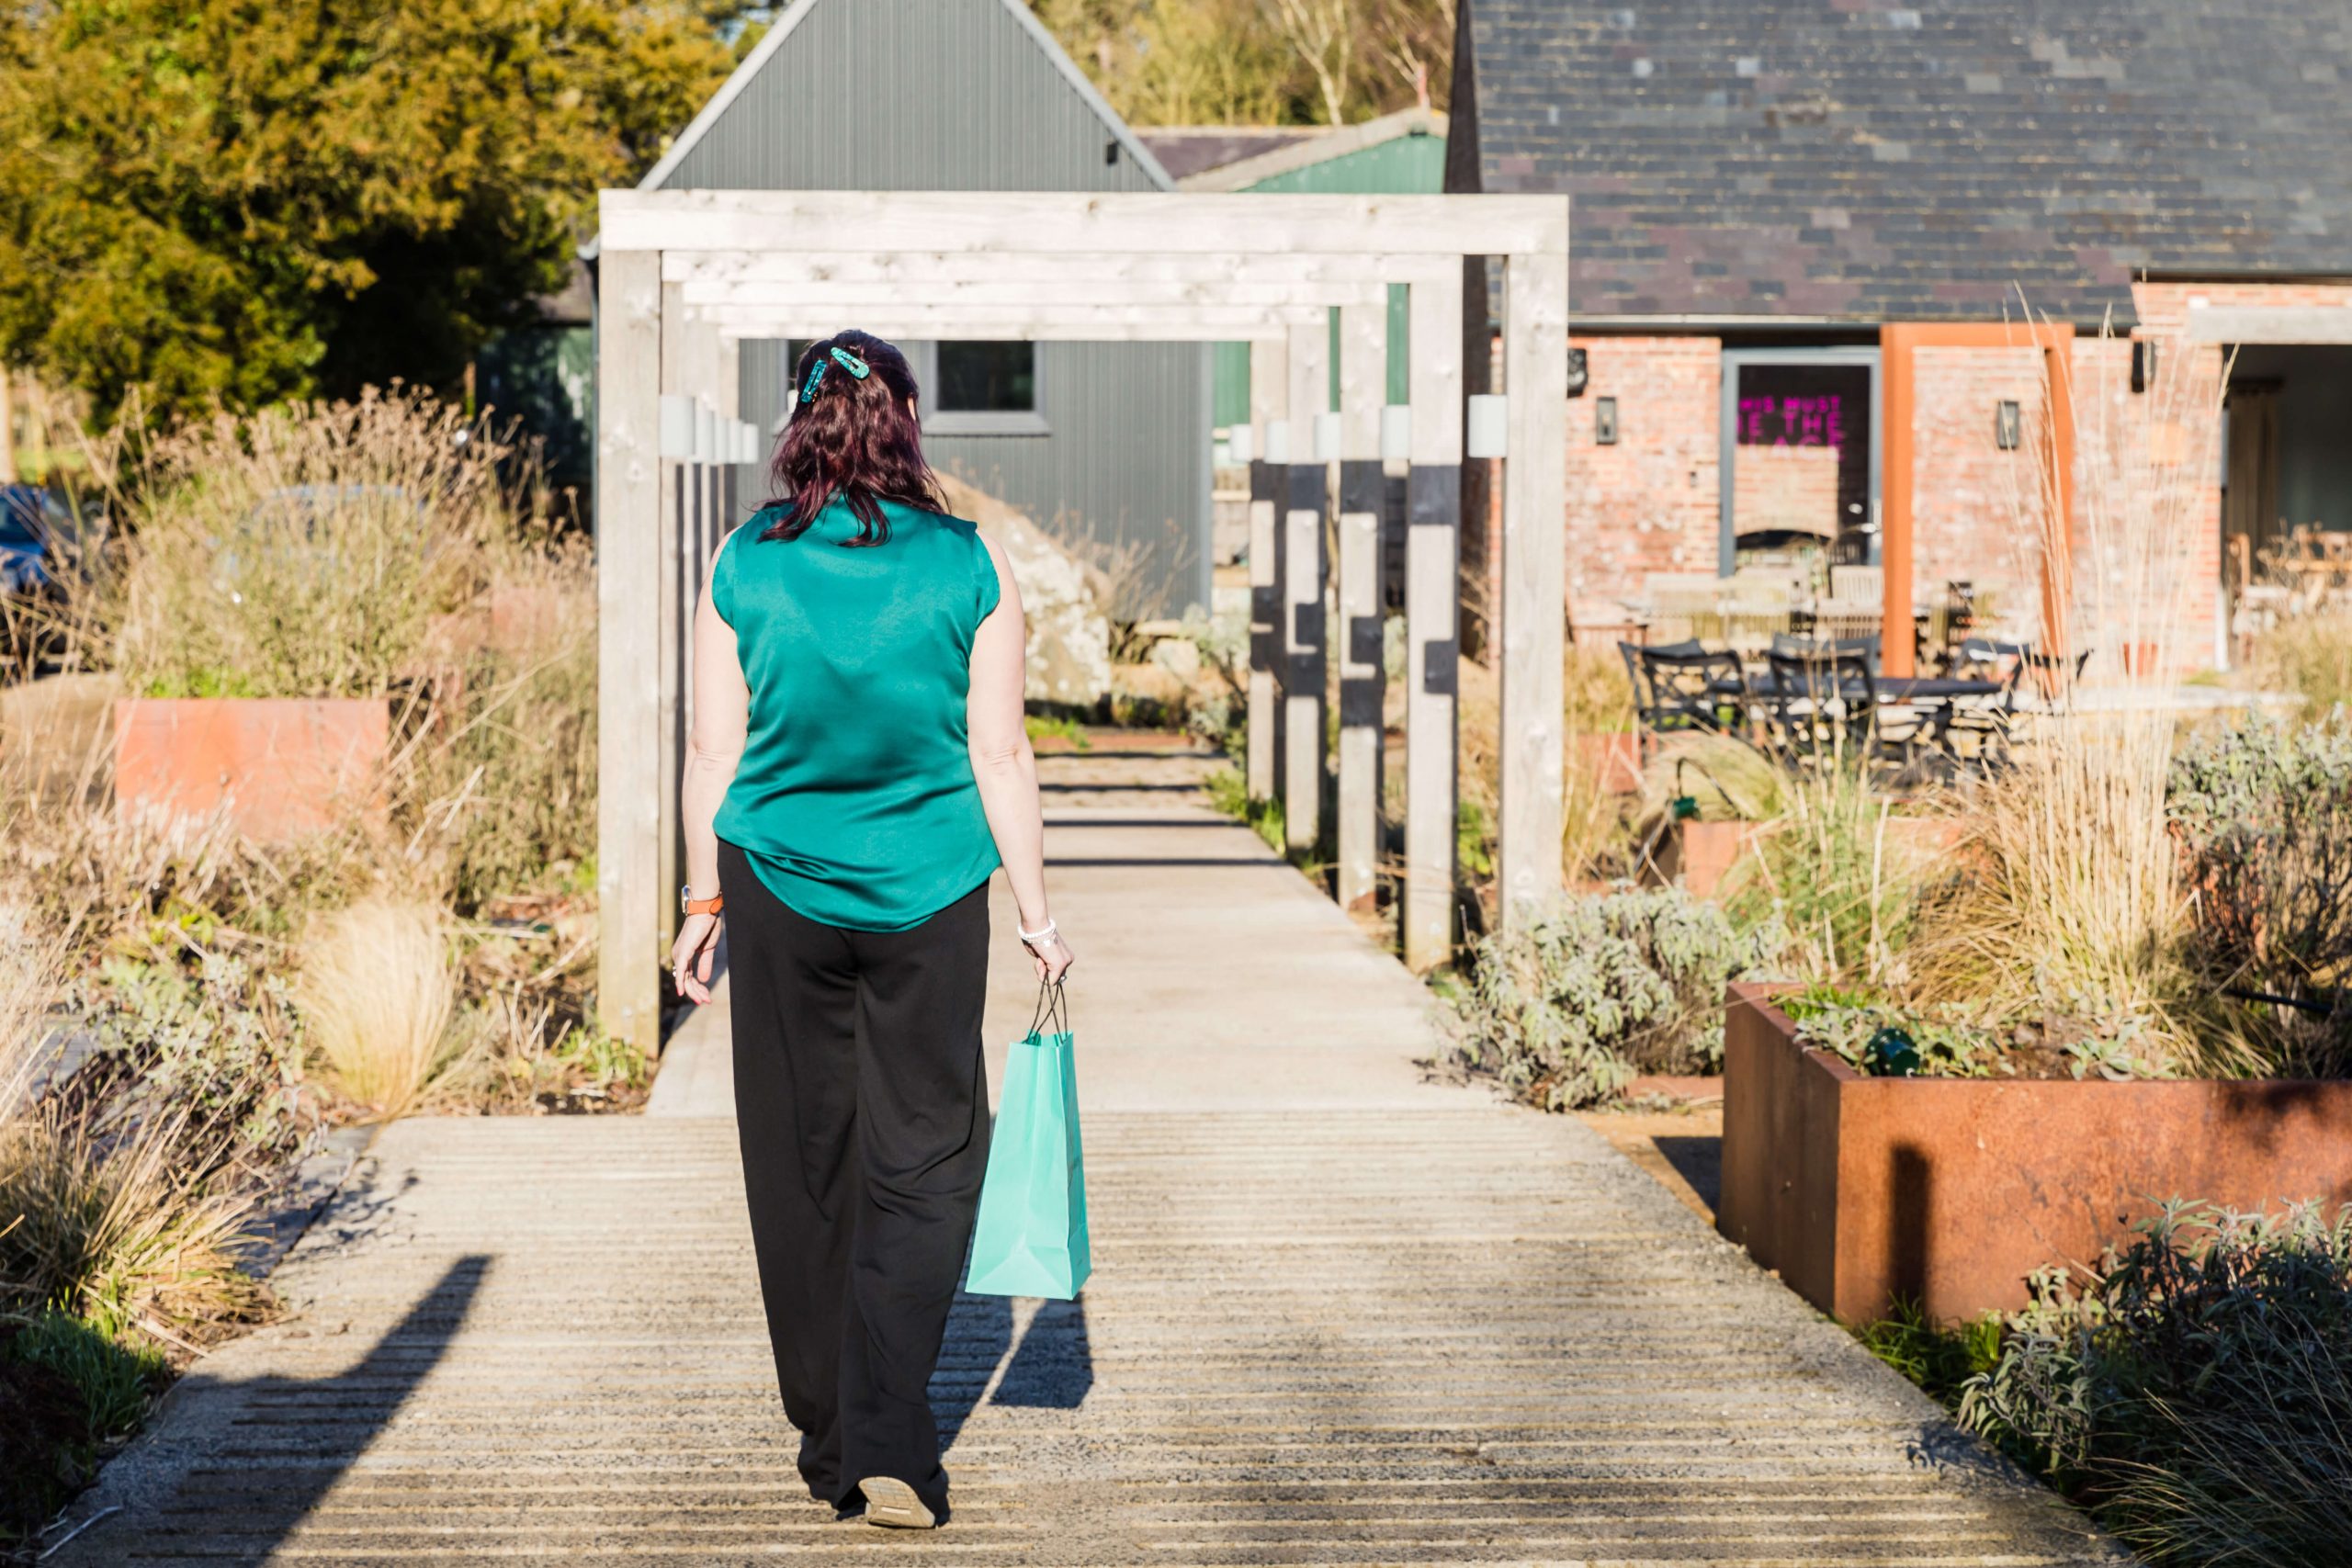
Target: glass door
pixel 1799 460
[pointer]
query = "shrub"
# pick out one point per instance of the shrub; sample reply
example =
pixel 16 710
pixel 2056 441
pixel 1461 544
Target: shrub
pixel 2311 656
pixel 1597 991
pixel 2195 1392
pixel 1941 1360
pixel 304 551
pixel 2264 818
pixel 1830 874
pixel 378 993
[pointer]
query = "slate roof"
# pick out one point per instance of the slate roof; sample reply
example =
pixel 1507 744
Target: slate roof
pixel 1869 159
pixel 1187 150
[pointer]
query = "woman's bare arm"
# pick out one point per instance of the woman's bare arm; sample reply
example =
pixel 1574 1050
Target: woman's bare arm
pixel 722 708
pixel 1005 768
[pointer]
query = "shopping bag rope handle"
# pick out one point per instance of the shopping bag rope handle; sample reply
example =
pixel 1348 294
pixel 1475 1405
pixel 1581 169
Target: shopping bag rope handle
pixel 1052 1007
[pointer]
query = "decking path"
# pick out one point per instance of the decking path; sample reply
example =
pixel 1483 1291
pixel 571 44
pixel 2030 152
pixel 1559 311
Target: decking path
pixel 1339 1315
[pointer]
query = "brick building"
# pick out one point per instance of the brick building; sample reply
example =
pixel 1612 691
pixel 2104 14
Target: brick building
pixel 1805 237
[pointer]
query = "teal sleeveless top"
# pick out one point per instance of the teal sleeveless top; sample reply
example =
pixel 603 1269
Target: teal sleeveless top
pixel 854 800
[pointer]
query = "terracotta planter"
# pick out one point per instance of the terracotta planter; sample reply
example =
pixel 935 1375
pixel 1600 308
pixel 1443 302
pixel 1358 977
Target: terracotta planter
pixel 1702 854
pixel 281 767
pixel 1614 760
pixel 1950 1192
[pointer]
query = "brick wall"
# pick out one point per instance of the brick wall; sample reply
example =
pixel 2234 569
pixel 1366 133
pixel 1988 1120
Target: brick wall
pixel 1786 487
pixel 1649 503
pixel 1975 509
pixel 2148 502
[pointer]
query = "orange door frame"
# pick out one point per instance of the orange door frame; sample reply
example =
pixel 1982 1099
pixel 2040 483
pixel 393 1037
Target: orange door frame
pixel 1899 407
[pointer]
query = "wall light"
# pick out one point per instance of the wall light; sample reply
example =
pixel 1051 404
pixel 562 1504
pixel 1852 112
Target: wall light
pixel 2144 363
pixel 1604 422
pixel 1579 374
pixel 2008 425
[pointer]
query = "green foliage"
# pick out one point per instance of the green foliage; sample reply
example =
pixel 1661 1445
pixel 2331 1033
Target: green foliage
pixel 2264 814
pixel 1473 841
pixel 1843 1021
pixel 1060 727
pixel 1833 875
pixel 1941 1360
pixel 2196 1392
pixel 1597 991
pixel 117 1374
pixel 1229 793
pixel 201 201
pixel 221 1047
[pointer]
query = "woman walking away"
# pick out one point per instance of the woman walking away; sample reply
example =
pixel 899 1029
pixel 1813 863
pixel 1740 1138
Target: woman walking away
pixel 858 768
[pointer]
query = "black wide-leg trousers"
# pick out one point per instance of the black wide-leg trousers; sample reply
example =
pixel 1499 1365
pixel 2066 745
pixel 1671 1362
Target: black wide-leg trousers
pixel 861 1102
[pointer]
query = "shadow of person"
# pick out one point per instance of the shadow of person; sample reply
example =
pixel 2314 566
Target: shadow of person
pixel 247 1490
pixel 979 1331
pixel 1054 1367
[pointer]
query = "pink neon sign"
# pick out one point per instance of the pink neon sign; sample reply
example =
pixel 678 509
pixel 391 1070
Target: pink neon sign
pixel 1817 420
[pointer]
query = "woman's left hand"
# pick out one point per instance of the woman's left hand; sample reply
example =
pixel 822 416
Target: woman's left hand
pixel 691 955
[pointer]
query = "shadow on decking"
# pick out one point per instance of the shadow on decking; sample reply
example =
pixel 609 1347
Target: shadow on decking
pixel 290 1440
pixel 1052 1369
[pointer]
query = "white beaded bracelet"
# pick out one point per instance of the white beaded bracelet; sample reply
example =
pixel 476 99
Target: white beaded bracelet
pixel 1050 930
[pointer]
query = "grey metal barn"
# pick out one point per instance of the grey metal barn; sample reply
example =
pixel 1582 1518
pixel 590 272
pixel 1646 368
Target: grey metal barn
pixel 974 95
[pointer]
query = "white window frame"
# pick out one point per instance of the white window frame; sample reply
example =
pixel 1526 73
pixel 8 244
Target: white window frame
pixel 978 422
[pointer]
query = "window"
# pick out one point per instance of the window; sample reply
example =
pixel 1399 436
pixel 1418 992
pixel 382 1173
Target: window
pixel 985 389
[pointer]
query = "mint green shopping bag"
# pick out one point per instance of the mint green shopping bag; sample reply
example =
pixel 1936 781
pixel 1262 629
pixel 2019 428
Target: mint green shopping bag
pixel 1029 1239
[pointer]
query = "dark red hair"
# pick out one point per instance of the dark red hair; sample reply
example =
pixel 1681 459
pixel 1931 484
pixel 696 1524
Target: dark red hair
pixel 853 439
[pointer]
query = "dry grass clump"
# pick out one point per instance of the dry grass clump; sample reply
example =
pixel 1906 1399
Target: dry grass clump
pixel 377 994
pixel 304 551
pixel 2075 905
pixel 2311 656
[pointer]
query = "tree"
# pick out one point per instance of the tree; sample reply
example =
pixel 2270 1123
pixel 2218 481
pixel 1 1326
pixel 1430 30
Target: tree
pixel 233 200
pixel 1257 61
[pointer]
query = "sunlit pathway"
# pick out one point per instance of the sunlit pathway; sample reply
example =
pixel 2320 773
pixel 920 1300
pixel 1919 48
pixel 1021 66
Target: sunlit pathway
pixel 1339 1315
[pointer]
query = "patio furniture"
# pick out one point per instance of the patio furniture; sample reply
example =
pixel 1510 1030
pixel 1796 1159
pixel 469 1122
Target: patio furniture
pixel 1866 646
pixel 1685 687
pixel 1833 702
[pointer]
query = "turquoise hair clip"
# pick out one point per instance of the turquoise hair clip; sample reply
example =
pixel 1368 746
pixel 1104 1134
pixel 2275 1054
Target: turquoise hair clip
pixel 840 356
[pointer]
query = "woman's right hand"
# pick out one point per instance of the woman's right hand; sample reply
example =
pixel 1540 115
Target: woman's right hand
pixel 1052 955
pixel 691 956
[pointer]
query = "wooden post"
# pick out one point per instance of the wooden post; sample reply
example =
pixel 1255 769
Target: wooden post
pixel 1534 582
pixel 1304 576
pixel 1268 419
pixel 1363 390
pixel 628 640
pixel 1433 514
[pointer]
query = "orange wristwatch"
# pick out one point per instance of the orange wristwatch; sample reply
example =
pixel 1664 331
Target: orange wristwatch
pixel 690 904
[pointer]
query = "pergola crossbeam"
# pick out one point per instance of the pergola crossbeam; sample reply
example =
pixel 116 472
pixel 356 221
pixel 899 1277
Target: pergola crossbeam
pixel 1047 222
pixel 950 268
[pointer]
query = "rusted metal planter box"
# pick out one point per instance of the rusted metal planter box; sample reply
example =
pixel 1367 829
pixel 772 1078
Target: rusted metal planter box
pixel 1613 761
pixel 1950 1192
pixel 1702 854
pixel 281 767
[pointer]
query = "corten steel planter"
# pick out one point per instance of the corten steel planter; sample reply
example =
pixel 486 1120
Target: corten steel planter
pixel 1950 1192
pixel 1615 761
pixel 1702 854
pixel 281 767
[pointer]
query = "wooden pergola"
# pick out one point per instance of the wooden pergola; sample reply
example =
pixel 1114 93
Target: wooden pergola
pixel 685 275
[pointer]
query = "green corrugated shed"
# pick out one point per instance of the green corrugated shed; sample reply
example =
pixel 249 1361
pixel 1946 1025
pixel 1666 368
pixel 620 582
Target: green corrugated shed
pixel 1410 165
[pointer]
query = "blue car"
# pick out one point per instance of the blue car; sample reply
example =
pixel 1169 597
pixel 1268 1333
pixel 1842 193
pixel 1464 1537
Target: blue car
pixel 34 531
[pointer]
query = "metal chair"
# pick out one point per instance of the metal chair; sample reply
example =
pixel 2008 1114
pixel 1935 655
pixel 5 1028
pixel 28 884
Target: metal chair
pixel 1827 703
pixel 1685 687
